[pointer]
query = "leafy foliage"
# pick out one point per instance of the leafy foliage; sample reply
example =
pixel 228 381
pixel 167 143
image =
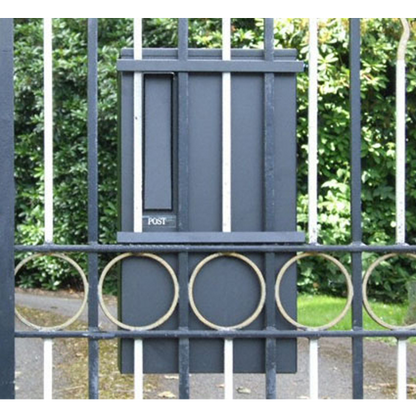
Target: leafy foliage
pixel 379 44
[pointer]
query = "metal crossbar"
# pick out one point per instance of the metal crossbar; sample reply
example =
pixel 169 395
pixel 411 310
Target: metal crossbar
pixel 204 242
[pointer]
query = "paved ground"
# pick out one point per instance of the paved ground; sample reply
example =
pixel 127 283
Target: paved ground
pixel 29 371
pixel 334 366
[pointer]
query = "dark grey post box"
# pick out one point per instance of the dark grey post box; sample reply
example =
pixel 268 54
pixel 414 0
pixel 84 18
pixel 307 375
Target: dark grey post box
pixel 182 200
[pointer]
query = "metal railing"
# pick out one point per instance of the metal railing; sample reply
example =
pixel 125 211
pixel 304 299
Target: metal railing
pixel 93 248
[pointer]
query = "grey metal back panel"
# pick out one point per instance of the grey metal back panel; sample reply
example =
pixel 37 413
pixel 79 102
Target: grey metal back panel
pixel 247 152
pixel 205 146
pixel 226 290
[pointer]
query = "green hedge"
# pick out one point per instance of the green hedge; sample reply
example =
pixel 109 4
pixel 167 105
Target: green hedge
pixel 379 44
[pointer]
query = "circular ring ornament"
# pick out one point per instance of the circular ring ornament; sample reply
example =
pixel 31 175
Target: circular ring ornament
pixel 162 319
pixel 365 299
pixel 259 276
pixel 347 279
pixel 76 266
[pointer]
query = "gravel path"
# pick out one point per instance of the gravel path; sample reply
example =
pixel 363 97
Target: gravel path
pixel 335 372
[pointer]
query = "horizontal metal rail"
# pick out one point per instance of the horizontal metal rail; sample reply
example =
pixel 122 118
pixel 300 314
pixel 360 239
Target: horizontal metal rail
pixel 208 66
pixel 234 237
pixel 176 248
pixel 243 334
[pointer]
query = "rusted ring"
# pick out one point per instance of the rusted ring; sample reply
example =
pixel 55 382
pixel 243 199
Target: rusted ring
pixel 347 279
pixel 84 301
pixel 260 278
pixel 161 320
pixel 365 299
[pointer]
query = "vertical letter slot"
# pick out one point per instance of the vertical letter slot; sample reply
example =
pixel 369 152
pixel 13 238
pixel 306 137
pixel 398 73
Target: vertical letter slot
pixel 158 142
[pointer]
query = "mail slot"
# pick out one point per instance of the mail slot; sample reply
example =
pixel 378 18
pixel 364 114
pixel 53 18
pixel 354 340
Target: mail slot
pixel 158 142
pixel 182 201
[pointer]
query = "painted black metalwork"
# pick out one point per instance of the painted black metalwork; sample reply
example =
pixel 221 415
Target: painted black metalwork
pixel 176 248
pixel 183 243
pixel 199 334
pixel 183 204
pixel 269 205
pixel 7 189
pixel 356 229
pixel 93 306
pixel 234 237
pixel 211 66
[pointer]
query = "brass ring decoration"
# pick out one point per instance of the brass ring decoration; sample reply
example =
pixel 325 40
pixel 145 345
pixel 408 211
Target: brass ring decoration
pixel 161 320
pixel 260 278
pixel 76 266
pixel 365 283
pixel 347 279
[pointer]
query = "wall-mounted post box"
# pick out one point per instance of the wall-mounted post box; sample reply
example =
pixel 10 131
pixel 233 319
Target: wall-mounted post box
pixel 183 200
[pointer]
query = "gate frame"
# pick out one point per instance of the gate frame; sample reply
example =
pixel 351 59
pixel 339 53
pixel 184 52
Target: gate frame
pixel 7 186
pixel 93 248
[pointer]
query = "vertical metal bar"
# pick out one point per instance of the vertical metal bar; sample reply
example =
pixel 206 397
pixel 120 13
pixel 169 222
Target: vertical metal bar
pixel 313 180
pixel 226 184
pixel 138 369
pixel 313 369
pixel 183 217
pixel 183 36
pixel 93 319
pixel 138 185
pixel 357 324
pixel 401 369
pixel 138 131
pixel 313 133
pixel 269 133
pixel 228 368
pixel 355 129
pixel 48 127
pixel 226 128
pixel 356 226
pixel 269 205
pixel 184 351
pixel 183 131
pixel 401 184
pixel 48 182
pixel 7 187
pixel 271 359
pixel 269 39
pixel 401 135
pixel 93 140
pixel 47 368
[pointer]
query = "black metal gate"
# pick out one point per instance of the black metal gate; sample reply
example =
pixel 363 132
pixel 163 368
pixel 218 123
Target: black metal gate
pixel 208 200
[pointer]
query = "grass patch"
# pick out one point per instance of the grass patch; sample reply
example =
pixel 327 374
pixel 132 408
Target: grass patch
pixel 316 310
